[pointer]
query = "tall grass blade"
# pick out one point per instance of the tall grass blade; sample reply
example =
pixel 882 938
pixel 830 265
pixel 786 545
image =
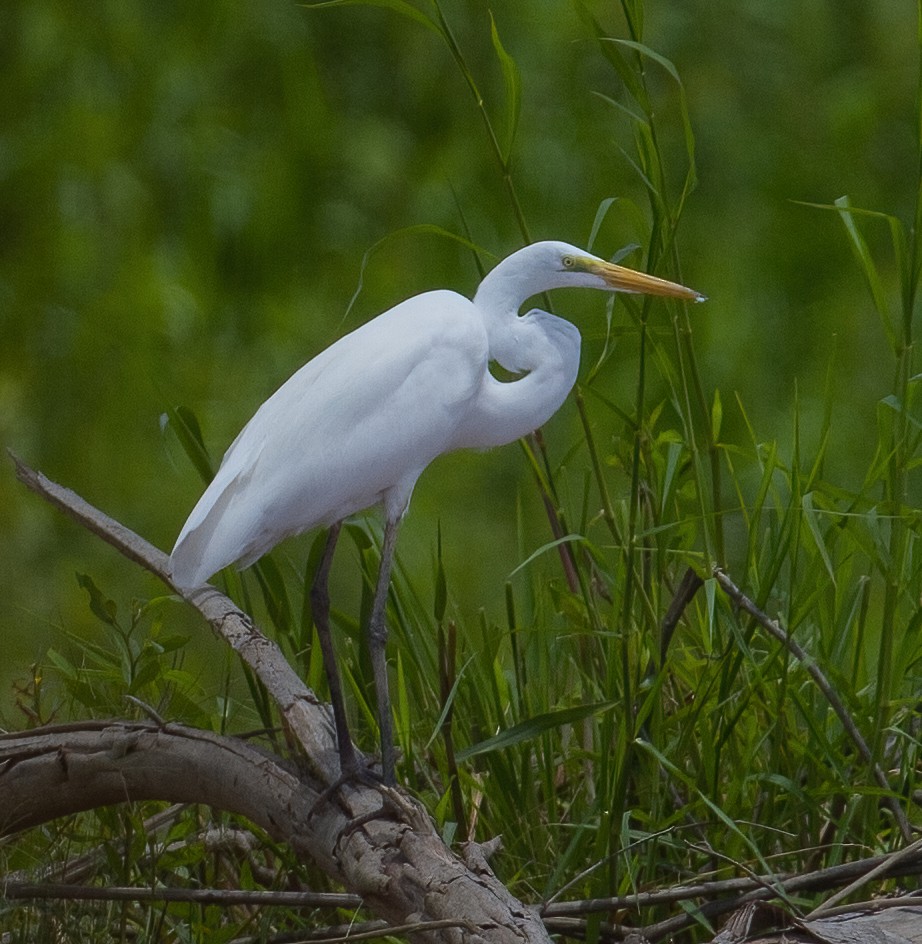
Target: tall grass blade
pixel 533 728
pixel 395 6
pixel 513 90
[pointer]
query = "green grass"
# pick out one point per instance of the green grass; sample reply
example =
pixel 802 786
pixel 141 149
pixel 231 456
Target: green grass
pixel 609 759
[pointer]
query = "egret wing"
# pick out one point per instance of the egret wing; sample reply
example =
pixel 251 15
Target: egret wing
pixel 356 425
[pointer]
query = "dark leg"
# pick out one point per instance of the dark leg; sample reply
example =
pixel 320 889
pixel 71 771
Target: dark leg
pixel 320 607
pixel 377 640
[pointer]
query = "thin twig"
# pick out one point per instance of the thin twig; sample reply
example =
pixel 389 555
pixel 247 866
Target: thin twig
pixel 201 896
pixel 796 882
pixel 379 929
pixel 816 673
pixel 228 898
pixel 828 906
pixel 565 917
pixel 863 907
pixel 147 709
pixel 128 543
pixel 354 931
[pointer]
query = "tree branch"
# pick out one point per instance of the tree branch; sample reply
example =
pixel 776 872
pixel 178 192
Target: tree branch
pixel 63 769
pixel 395 860
pixel 306 716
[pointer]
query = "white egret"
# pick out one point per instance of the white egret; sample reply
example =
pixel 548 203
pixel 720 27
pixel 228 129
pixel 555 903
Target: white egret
pixel 357 425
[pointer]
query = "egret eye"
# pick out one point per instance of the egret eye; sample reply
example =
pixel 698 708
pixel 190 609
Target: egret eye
pixel 568 262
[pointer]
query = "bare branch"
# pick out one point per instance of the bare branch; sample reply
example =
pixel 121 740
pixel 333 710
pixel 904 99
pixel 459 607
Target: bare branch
pixel 22 891
pixel 800 883
pixel 58 770
pixel 395 859
pixel 306 716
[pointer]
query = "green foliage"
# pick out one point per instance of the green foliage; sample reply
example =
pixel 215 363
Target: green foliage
pixel 137 668
pixel 539 691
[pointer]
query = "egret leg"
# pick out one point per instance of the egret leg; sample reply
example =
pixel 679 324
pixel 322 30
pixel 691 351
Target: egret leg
pixel 377 640
pixel 320 607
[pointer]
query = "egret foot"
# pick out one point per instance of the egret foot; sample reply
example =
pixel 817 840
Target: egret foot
pixel 351 773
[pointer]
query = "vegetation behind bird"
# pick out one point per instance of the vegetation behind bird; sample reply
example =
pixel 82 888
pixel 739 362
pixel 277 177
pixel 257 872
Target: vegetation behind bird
pixel 779 439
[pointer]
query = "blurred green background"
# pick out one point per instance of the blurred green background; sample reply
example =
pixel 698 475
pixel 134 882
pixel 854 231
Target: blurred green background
pixel 187 192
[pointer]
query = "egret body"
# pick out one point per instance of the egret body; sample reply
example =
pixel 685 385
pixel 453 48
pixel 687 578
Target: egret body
pixel 356 426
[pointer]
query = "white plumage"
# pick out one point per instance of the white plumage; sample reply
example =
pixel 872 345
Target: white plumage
pixel 357 425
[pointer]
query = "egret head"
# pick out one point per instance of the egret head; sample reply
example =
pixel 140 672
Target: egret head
pixel 547 265
pixel 618 278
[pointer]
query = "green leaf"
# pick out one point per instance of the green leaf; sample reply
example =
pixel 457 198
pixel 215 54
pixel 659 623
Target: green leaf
pixel 626 70
pixel 717 413
pixel 172 643
pixel 186 428
pixel 666 64
pixel 396 6
pixel 566 539
pixel 449 702
pixel 600 215
pixel 674 453
pixel 533 727
pixel 649 53
pixel 513 89
pixel 145 674
pixel 424 229
pixel 101 606
pixel 810 516
pixel 62 664
pixel 848 214
pixel 866 261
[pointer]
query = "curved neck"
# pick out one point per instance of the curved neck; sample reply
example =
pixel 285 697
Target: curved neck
pixel 546 350
pixel 499 297
pixel 509 285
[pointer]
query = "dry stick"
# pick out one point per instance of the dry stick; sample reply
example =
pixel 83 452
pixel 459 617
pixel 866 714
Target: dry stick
pixel 743 887
pixel 816 673
pixel 860 908
pixel 891 860
pixel 200 896
pixel 372 930
pixel 566 917
pixel 229 898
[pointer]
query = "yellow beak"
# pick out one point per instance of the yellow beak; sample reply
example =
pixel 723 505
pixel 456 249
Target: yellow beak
pixel 628 280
